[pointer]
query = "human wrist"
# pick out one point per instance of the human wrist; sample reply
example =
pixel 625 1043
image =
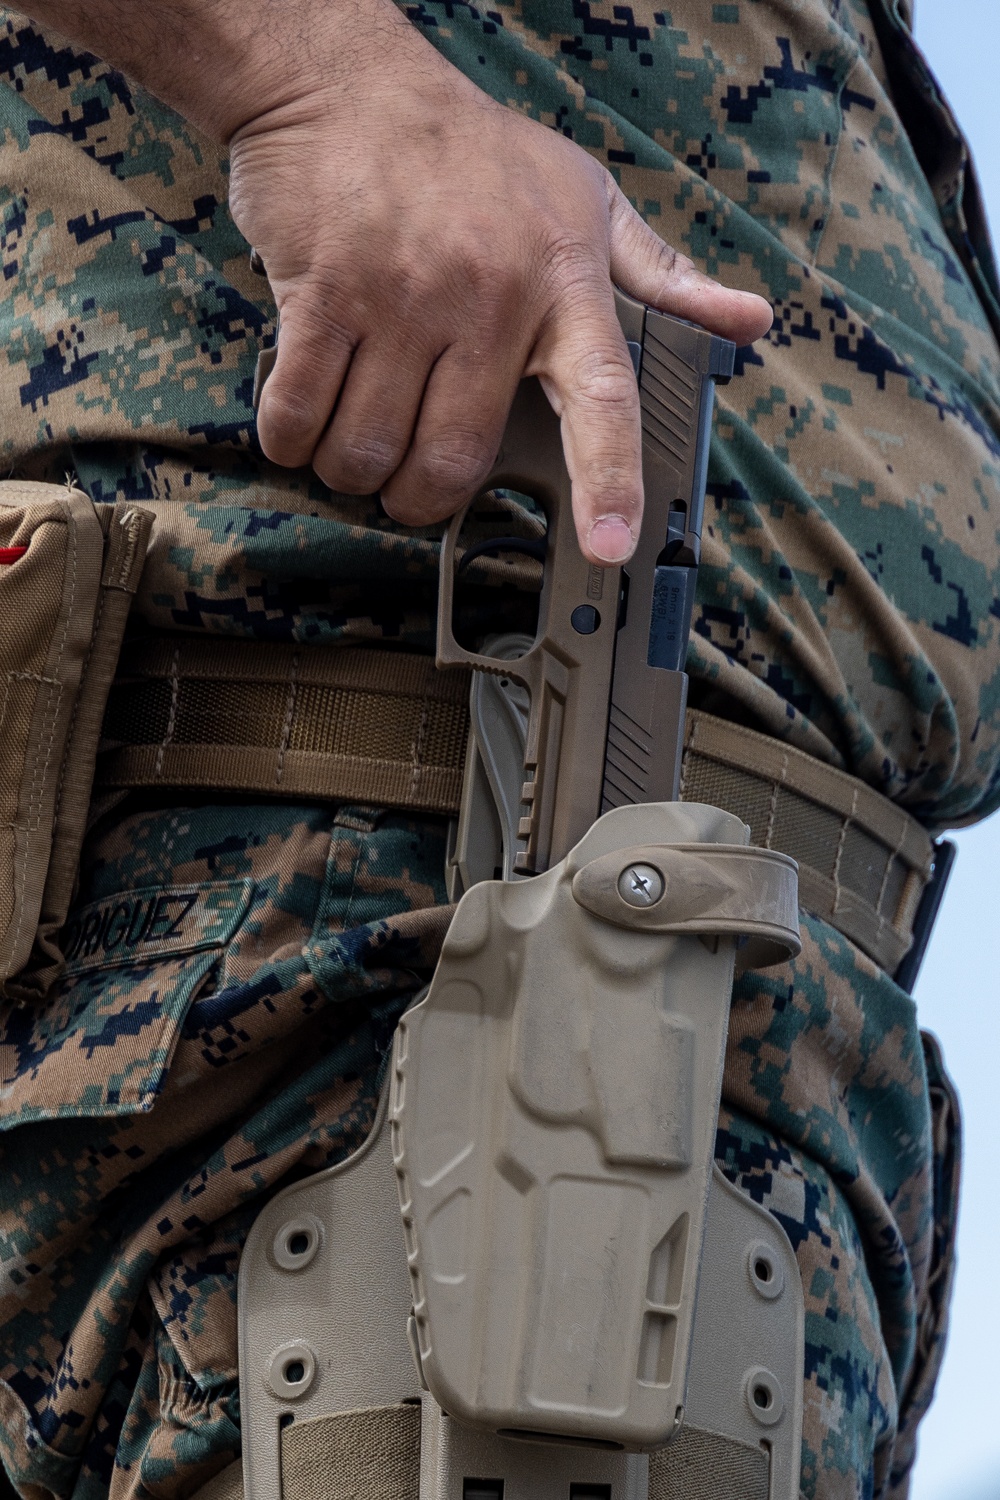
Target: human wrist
pixel 252 67
pixel 224 63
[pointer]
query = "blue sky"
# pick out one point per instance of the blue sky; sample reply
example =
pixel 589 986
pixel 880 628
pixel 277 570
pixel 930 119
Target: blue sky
pixel 958 994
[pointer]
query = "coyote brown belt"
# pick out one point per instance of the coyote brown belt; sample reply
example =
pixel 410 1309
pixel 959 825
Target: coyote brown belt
pixel 346 724
pixel 863 861
pixel 369 725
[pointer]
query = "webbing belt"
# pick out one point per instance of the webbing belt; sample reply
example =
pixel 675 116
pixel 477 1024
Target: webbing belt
pixel 374 1454
pixel 863 861
pixel 352 724
pixel 340 724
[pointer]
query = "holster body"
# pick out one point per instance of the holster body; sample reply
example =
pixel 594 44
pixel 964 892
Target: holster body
pixel 553 1112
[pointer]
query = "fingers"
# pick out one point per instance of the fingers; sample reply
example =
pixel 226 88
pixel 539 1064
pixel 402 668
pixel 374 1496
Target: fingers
pixel 647 268
pixel 457 437
pixel 314 355
pixel 422 428
pixel 399 356
pixel 585 369
pixel 372 426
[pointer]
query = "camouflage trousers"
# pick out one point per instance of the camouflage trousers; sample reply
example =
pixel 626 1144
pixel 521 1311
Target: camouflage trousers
pixel 172 1084
pixel 848 605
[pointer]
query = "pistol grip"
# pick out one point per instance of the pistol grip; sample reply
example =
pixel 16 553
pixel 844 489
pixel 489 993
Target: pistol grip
pixel 574 644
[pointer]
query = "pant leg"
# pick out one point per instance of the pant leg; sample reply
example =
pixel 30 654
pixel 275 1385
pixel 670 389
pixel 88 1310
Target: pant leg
pixel 838 1117
pixel 167 1086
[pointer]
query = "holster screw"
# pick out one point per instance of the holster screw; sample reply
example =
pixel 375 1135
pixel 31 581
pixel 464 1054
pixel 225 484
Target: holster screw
pixel 640 885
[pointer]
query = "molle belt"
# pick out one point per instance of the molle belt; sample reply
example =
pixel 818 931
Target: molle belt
pixel 864 863
pixel 337 724
pixel 369 725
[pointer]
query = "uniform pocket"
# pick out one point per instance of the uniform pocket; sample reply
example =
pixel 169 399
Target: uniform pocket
pixel 101 1042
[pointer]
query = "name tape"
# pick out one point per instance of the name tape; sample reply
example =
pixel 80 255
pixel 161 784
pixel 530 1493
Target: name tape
pixel 154 922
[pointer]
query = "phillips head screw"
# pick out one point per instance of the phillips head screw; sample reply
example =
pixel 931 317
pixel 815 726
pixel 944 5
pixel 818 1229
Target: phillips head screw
pixel 640 885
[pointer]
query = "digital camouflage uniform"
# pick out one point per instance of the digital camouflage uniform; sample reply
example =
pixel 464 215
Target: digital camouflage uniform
pixel 848 604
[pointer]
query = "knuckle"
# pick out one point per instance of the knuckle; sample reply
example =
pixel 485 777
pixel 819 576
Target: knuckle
pixel 317 327
pixel 576 285
pixel 606 379
pixel 478 268
pixel 493 280
pixel 455 462
pixel 414 291
pixel 569 260
pixel 298 397
pixel 288 423
pixel 475 285
pixel 362 460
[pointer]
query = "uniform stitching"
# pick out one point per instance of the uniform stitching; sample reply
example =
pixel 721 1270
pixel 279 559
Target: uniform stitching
pixel 770 814
pixel 840 849
pixel 773 809
pixel 418 748
pixel 812 252
pixel 286 728
pixel 175 690
pixel 31 825
pixel 888 866
pixel 689 750
pixel 132 526
pixel 76 709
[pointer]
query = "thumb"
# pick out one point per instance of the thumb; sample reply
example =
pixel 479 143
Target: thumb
pixel 647 268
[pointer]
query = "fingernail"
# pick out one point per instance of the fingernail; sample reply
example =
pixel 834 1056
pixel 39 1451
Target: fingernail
pixel 611 539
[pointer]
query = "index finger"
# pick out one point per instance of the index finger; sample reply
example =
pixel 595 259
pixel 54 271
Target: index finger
pixel 583 363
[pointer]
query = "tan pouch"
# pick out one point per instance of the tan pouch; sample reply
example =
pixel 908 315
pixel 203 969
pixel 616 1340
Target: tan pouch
pixel 68 570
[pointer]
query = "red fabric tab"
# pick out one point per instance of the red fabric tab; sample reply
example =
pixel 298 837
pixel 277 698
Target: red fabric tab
pixel 11 554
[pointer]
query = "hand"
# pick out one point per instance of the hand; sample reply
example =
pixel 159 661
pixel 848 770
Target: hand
pixel 427 248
